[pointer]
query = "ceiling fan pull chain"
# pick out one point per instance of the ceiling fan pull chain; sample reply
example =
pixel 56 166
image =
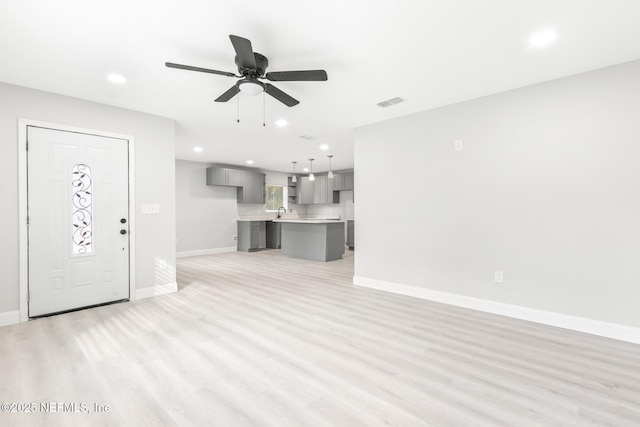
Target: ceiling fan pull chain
pixel 238 113
pixel 263 109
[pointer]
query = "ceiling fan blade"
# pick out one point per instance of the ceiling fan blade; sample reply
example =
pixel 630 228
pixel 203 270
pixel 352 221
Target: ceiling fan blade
pixel 233 90
pixel 297 76
pixel 202 70
pixel 280 95
pixel 244 52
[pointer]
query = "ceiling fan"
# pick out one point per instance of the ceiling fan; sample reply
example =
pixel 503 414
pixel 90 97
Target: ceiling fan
pixel 252 67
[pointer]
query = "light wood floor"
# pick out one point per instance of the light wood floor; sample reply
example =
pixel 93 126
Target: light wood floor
pixel 262 340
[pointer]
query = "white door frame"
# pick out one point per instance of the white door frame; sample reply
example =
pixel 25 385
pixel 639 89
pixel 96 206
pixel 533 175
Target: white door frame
pixel 22 204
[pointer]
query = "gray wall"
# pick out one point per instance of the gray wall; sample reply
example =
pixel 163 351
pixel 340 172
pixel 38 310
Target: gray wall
pixel 154 178
pixel 205 214
pixel 546 189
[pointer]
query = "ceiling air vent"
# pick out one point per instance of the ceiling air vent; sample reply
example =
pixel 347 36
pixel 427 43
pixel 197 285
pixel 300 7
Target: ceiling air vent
pixel 390 102
pixel 307 137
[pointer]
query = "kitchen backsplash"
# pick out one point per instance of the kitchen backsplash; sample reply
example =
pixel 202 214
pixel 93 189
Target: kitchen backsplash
pixel 344 209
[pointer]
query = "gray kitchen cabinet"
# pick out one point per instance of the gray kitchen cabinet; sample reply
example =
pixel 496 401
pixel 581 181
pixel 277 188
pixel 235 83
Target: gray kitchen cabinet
pixel 305 191
pixel 258 188
pixel 245 193
pixel 320 190
pixel 218 176
pixel 250 185
pixel 323 192
pixel 338 181
pixel 236 178
pixel 343 181
pixel 351 243
pixel 348 181
pixel 333 196
pixel 226 177
pixel 252 235
pixel 274 232
pixel 252 190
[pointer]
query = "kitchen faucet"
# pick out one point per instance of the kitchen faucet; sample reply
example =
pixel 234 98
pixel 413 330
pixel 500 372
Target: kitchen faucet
pixel 284 210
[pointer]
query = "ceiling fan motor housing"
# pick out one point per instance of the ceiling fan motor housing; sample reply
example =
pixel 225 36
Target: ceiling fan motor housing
pixel 261 66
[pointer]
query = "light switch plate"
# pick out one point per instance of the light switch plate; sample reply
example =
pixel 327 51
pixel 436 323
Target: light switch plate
pixel 150 209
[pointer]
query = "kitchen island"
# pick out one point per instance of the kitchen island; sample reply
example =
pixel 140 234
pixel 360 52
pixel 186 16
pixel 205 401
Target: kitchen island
pixel 312 239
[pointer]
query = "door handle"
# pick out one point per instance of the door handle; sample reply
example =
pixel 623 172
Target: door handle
pixel 123 231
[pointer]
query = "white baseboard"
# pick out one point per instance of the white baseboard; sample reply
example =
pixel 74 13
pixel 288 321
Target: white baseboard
pixel 580 324
pixel 185 254
pixel 9 318
pixel 156 290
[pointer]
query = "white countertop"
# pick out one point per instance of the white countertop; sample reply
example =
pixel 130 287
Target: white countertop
pixel 293 218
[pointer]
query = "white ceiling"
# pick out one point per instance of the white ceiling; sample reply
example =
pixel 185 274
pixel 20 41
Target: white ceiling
pixel 430 52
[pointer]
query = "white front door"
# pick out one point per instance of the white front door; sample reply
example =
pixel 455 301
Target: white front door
pixel 78 204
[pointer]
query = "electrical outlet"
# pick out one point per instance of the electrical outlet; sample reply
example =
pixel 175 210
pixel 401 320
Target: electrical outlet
pixel 458 144
pixel 235 238
pixel 498 276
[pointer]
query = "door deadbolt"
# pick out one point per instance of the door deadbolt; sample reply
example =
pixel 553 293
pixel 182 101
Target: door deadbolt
pixel 123 231
pixel 123 221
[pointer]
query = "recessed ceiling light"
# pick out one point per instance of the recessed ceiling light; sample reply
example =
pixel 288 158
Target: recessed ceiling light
pixel 543 38
pixel 281 123
pixel 249 162
pixel 197 149
pixel 305 169
pixel 324 147
pixel 116 78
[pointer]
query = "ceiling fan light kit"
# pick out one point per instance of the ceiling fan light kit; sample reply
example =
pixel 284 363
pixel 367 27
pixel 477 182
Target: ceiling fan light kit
pixel 251 87
pixel 251 67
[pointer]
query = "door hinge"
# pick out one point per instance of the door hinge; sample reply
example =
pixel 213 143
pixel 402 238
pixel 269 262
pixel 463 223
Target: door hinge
pixel 27 146
pixel 28 296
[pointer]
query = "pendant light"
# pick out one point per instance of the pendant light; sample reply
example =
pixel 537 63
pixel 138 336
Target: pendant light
pixel 294 178
pixel 311 176
pixel 330 174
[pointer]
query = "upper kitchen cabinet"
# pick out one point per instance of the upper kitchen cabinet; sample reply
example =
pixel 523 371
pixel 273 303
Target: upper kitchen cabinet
pixel 252 190
pixel 250 185
pixel 305 191
pixel 317 192
pixel 343 181
pixel 226 177
pixel 236 178
pixel 323 191
pixel 320 186
pixel 218 176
